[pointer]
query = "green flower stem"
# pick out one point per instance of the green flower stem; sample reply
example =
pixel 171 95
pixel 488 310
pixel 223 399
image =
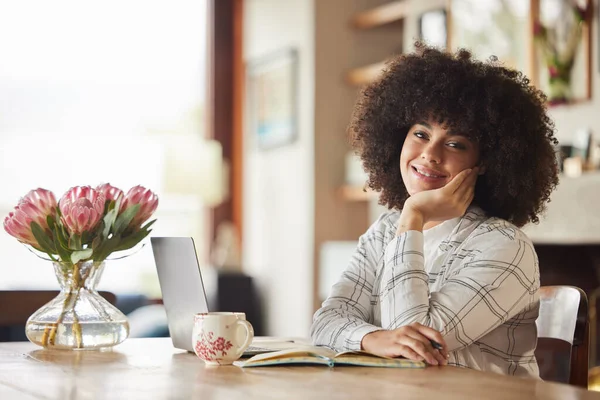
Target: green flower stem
pixel 70 299
pixel 48 339
pixel 77 330
pixel 77 286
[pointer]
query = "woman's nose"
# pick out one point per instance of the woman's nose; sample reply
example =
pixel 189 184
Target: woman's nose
pixel 432 153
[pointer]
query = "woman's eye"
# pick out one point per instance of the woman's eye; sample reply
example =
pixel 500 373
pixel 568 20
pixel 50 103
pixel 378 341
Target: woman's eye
pixel 457 145
pixel 420 135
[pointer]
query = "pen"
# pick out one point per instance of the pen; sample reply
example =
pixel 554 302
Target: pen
pixel 436 345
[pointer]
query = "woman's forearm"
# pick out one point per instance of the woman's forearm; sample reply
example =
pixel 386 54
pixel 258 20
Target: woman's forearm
pixel 497 281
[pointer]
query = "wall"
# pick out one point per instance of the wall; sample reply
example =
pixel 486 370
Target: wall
pixel 279 184
pixel 291 204
pixel 338 48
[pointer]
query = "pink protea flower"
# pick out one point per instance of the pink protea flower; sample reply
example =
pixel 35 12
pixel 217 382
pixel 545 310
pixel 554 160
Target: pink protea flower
pixel 44 201
pixel 18 224
pixel 147 200
pixel 36 206
pixel 110 192
pixel 82 208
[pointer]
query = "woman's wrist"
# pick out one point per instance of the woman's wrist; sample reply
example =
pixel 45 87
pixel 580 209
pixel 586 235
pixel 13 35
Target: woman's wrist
pixel 410 220
pixel 365 342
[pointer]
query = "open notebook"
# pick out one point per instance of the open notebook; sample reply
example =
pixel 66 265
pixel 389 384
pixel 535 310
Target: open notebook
pixel 324 356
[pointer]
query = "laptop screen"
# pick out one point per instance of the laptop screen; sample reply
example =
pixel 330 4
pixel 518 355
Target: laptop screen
pixel 181 286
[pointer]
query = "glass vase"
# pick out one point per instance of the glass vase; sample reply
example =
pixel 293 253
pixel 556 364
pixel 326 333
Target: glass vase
pixel 79 318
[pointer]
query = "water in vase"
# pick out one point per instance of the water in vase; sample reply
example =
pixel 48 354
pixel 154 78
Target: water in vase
pixel 94 335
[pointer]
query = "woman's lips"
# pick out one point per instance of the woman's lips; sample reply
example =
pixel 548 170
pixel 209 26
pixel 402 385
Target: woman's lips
pixel 428 175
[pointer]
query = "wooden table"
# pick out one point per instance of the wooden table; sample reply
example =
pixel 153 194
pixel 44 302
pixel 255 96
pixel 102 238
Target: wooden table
pixel 153 369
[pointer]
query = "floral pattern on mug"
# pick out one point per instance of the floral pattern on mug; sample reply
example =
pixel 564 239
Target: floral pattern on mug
pixel 207 348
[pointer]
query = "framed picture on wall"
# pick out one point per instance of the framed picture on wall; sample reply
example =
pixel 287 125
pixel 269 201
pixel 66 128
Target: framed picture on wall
pixel 562 49
pixel 548 40
pixel 272 99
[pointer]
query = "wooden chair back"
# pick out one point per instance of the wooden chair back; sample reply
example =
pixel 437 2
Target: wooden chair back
pixel 563 335
pixel 17 305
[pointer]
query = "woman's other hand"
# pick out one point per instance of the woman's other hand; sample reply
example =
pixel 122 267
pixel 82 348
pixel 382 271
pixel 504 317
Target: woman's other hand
pixel 412 341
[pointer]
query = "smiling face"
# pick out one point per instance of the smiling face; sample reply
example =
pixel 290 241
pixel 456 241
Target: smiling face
pixel 431 156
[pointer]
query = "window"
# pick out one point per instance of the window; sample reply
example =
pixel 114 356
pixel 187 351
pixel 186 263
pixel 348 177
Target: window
pixel 99 92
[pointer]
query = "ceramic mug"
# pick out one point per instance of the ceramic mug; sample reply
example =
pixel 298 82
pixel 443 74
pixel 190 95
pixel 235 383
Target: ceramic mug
pixel 220 338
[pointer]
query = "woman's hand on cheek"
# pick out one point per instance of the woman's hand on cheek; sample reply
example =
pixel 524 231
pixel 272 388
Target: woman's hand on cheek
pixel 445 203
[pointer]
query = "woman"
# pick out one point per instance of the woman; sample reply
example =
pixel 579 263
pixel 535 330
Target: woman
pixel 462 154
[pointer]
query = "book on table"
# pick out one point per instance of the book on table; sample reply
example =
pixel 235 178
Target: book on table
pixel 325 356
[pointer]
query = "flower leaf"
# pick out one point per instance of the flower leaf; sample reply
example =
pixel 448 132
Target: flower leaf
pixel 60 238
pixel 97 231
pixel 148 225
pixel 62 249
pixel 97 242
pixel 131 240
pixel 109 218
pixel 50 221
pixel 45 242
pixel 125 218
pixel 81 255
pixel 106 247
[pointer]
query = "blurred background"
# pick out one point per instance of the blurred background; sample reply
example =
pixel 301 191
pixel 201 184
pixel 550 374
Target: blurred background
pixel 235 113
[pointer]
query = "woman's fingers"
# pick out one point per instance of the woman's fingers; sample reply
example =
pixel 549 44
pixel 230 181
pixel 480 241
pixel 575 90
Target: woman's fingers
pixel 413 333
pixel 409 353
pixel 429 333
pixel 468 196
pixel 419 348
pixel 443 356
pixel 432 334
pixel 472 181
pixel 465 193
pixel 468 182
pixel 410 341
pixel 458 180
pixel 473 176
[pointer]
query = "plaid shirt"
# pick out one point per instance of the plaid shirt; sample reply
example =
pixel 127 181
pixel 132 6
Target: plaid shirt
pixel 474 279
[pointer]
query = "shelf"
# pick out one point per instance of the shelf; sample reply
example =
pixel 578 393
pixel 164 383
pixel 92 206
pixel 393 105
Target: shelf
pixel 364 75
pixel 381 15
pixel 355 193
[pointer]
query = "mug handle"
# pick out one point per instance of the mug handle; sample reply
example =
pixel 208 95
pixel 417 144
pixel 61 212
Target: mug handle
pixel 249 336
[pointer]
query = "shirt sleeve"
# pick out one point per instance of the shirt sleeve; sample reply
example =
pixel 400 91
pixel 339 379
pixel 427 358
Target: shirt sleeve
pixel 497 278
pixel 346 316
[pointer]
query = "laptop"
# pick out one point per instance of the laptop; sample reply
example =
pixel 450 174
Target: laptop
pixel 184 295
